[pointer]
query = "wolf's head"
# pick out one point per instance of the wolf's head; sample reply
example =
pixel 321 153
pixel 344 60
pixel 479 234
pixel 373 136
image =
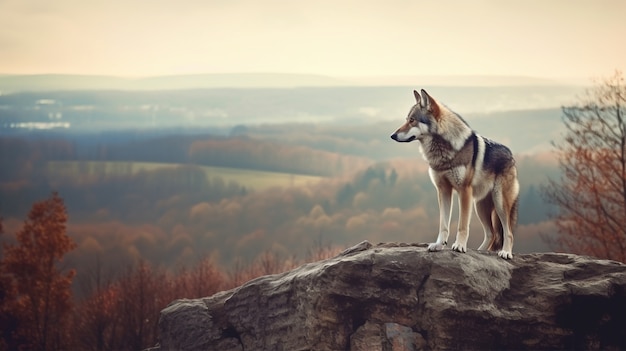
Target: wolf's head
pixel 421 120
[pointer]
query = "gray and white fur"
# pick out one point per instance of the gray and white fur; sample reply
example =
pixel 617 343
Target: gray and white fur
pixel 475 167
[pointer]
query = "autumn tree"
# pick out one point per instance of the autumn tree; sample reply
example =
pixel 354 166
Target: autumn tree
pixel 97 319
pixel 96 316
pixel 591 194
pixel 8 319
pixel 204 279
pixel 40 295
pixel 142 293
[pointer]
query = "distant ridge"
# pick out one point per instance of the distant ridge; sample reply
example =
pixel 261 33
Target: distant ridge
pixel 44 82
pixel 240 80
pixel 465 80
pixel 55 82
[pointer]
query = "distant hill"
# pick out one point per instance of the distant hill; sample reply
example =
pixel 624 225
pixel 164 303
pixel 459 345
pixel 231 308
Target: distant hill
pixel 56 82
pixel 466 81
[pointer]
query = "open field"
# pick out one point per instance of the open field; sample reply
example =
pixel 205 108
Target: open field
pixel 251 179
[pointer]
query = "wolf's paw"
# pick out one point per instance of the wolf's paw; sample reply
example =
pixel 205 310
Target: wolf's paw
pixel 459 247
pixel 436 247
pixel 507 255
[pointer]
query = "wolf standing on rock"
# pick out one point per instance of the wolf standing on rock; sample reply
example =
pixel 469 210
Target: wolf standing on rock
pixel 475 167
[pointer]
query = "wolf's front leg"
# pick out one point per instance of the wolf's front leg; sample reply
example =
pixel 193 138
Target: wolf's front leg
pixel 444 193
pixel 465 211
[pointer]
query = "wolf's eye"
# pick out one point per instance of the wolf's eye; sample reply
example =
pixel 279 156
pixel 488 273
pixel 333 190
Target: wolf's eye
pixel 411 120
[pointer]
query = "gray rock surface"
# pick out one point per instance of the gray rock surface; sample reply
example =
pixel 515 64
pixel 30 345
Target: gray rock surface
pixel 402 297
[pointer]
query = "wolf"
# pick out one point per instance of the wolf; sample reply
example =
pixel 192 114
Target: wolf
pixel 478 169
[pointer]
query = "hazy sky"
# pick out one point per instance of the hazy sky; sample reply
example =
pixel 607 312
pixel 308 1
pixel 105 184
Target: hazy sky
pixel 543 38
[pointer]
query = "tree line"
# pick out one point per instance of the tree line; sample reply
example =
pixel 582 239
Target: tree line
pixel 175 216
pixel 109 311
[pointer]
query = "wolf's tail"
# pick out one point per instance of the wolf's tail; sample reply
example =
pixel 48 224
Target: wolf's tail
pixel 497 230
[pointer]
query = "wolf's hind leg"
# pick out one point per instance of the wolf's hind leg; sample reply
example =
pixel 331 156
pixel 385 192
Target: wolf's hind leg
pixel 484 208
pixel 506 201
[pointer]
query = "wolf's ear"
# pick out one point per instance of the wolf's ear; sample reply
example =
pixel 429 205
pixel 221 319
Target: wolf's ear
pixel 417 96
pixel 430 104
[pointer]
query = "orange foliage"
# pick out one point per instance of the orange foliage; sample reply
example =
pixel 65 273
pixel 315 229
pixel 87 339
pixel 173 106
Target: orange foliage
pixel 123 314
pixel 96 320
pixel 591 194
pixel 40 296
pixel 259 154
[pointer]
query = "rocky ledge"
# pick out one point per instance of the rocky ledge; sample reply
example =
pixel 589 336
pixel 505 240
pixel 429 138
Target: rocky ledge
pixel 402 297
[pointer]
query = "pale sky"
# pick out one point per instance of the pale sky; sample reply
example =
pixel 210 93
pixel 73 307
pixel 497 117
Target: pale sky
pixel 539 38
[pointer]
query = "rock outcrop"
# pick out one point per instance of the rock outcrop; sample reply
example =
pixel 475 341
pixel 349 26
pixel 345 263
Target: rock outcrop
pixel 401 297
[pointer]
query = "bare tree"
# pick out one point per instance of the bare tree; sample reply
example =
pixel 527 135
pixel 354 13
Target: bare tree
pixel 141 296
pixel 591 193
pixel 203 279
pixel 95 317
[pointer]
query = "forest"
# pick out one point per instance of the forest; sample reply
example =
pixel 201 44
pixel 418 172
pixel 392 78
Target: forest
pixel 188 211
pixel 173 215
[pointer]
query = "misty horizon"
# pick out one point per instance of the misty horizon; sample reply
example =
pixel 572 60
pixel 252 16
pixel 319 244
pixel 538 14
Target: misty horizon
pixel 219 111
pixel 12 83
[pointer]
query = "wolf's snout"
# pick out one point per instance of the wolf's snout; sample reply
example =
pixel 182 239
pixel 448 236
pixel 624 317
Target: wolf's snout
pixel 401 139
